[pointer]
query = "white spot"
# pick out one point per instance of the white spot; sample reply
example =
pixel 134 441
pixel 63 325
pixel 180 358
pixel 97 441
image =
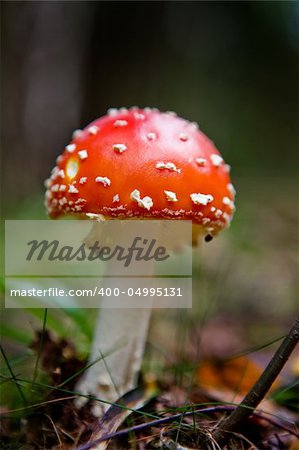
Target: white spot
pixel 59 159
pixel 93 130
pixel 139 116
pixel 120 148
pixel 231 189
pixel 145 202
pixel 147 109
pixel 171 113
pixel 168 166
pixel 71 148
pixel 226 201
pixel 81 200
pixel 228 168
pixel 77 133
pixel 48 195
pixel 213 209
pixel 194 125
pixel 201 161
pixel 201 199
pixel 216 160
pixel 120 123
pixel 171 196
pixel 205 221
pixel 82 180
pixel 104 180
pixel 123 110
pixel 72 189
pixel 115 198
pixel 54 172
pixel 226 217
pixel 93 216
pixel 61 173
pixel 62 187
pixel 135 195
pixel 170 212
pixel 83 154
pixel 47 183
pixel 183 137
pixel 55 188
pixel 218 213
pixel 112 111
pixel 62 201
pixel 72 168
pixel 151 136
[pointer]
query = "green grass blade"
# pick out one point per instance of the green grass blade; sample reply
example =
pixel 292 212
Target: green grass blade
pixel 13 375
pixel 40 345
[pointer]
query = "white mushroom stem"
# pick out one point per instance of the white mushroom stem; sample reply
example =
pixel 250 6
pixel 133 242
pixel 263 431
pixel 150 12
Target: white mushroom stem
pixel 120 337
pixel 118 345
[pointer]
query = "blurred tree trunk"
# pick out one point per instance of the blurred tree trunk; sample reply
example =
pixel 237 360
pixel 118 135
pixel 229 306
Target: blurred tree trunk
pixel 46 85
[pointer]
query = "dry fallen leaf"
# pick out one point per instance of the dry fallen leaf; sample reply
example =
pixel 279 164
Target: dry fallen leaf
pixel 236 375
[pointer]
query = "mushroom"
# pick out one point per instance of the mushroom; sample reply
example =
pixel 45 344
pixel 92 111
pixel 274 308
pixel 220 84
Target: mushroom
pixel 145 164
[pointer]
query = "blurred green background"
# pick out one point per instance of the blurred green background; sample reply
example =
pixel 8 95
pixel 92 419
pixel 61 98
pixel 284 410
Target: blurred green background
pixel 230 66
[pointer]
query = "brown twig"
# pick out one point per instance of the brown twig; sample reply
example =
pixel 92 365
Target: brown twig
pixel 260 388
pixel 178 417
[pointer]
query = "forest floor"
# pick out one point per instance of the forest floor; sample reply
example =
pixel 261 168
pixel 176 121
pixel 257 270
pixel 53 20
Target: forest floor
pixel 162 414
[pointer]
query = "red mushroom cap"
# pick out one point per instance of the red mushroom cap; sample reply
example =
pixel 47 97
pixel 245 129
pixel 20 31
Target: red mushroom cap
pixel 142 163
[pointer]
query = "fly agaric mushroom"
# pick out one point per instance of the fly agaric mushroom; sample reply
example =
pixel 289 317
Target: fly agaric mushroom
pixel 138 163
